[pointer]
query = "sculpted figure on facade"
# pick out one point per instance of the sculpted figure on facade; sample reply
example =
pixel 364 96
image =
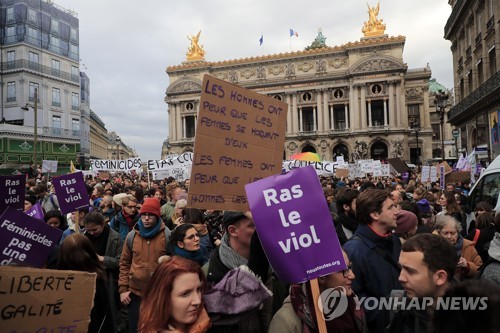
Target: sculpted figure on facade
pixel 398 150
pixel 360 150
pixel 374 26
pixel 195 51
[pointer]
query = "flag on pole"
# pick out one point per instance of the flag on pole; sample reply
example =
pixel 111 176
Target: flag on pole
pixel 294 33
pixel 261 40
pixel 72 168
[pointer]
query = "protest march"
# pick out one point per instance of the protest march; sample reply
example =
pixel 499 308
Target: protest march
pixel 232 238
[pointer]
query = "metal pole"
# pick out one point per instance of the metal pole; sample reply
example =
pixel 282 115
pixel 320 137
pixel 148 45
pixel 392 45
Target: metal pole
pixel 442 134
pixel 418 150
pixel 35 138
pixel 456 147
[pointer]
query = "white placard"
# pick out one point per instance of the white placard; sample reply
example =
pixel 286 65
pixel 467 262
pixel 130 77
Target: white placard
pixel 434 174
pixel 426 174
pixel 49 166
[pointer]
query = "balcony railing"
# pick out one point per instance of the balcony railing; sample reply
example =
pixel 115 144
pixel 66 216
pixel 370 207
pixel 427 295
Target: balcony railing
pixel 490 24
pixel 489 87
pixel 42 131
pixel 468 52
pixel 478 39
pixel 25 64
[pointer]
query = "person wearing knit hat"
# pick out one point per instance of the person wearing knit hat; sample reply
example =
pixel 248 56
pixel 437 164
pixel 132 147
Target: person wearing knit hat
pixel 425 207
pixel 406 225
pixel 151 206
pixel 146 243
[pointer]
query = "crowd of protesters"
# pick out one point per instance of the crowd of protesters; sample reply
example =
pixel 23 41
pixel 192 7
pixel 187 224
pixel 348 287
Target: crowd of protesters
pixel 162 266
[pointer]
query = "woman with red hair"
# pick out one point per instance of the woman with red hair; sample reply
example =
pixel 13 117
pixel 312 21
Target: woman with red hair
pixel 172 300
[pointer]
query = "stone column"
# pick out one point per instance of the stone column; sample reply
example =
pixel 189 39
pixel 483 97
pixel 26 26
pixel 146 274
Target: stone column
pixel 363 106
pixel 315 120
pixel 370 122
pixel 324 111
pixel 295 123
pixel 385 112
pixel 332 121
pixel 318 115
pixel 392 113
pixel 300 119
pixel 289 114
pixel 346 112
pixel 183 127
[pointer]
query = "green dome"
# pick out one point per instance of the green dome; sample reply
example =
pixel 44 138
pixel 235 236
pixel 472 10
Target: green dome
pixel 436 87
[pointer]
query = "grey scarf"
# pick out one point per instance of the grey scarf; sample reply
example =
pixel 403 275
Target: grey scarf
pixel 228 256
pixel 494 250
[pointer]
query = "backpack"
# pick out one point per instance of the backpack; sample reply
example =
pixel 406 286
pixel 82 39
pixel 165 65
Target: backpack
pixel 130 238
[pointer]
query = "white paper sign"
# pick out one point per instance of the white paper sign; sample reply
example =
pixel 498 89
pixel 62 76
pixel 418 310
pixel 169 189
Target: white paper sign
pixel 426 174
pixel 49 166
pixel 434 173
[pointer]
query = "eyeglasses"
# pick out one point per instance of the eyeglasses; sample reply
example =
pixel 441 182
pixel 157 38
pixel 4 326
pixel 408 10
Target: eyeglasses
pixel 193 236
pixel 345 272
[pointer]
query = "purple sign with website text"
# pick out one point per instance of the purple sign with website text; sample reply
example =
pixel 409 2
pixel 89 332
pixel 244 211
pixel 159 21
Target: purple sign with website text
pixel 294 225
pixel 12 191
pixel 25 241
pixel 71 192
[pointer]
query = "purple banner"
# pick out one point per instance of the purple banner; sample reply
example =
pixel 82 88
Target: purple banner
pixel 35 212
pixel 25 241
pixel 71 192
pixel 294 225
pixel 12 191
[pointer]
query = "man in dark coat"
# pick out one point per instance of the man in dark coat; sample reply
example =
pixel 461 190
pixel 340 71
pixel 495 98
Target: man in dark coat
pixel 374 250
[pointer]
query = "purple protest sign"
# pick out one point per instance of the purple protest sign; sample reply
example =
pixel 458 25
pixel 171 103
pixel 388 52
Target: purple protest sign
pixel 71 192
pixel 25 241
pixel 12 191
pixel 35 212
pixel 294 225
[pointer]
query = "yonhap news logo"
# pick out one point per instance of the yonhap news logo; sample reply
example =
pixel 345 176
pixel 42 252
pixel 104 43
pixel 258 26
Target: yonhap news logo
pixel 333 303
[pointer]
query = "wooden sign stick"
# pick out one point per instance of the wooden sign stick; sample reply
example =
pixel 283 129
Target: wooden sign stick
pixel 77 222
pixel 320 320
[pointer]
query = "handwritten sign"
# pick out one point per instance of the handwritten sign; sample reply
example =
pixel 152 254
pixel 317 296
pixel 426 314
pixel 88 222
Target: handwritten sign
pixel 71 192
pixel 177 161
pixel 42 300
pixel 294 225
pixel 24 240
pixel 240 137
pixel 116 165
pixel 321 168
pixel 49 166
pixel 12 192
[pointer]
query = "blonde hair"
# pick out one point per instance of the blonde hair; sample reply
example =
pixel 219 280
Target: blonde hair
pixel 182 203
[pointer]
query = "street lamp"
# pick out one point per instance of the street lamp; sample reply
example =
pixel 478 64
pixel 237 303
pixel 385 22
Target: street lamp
pixel 35 119
pixel 415 126
pixel 440 102
pixel 117 147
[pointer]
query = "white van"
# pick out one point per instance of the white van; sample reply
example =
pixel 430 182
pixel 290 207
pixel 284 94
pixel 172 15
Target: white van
pixel 486 189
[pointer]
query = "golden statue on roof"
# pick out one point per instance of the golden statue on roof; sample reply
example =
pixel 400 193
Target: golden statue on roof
pixel 195 51
pixel 374 26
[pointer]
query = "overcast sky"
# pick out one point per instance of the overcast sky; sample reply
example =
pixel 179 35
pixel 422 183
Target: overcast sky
pixel 126 46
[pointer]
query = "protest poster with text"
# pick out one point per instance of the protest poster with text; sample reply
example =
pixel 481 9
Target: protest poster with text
pixel 35 212
pixel 49 166
pixel 25 241
pixel 43 300
pixel 294 225
pixel 240 137
pixel 12 192
pixel 71 192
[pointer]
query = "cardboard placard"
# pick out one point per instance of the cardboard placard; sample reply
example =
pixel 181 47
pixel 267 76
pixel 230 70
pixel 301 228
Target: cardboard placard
pixel 457 176
pixel 12 192
pixel 341 173
pixel 295 226
pixel 240 137
pixel 447 168
pixel 43 300
pixel 71 192
pixel 24 240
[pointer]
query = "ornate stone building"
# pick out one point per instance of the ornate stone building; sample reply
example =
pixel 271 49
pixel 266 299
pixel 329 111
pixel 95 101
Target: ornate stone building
pixel 473 29
pixel 358 100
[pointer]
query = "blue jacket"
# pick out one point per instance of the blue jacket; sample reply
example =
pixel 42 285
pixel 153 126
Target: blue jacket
pixel 374 259
pixel 119 224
